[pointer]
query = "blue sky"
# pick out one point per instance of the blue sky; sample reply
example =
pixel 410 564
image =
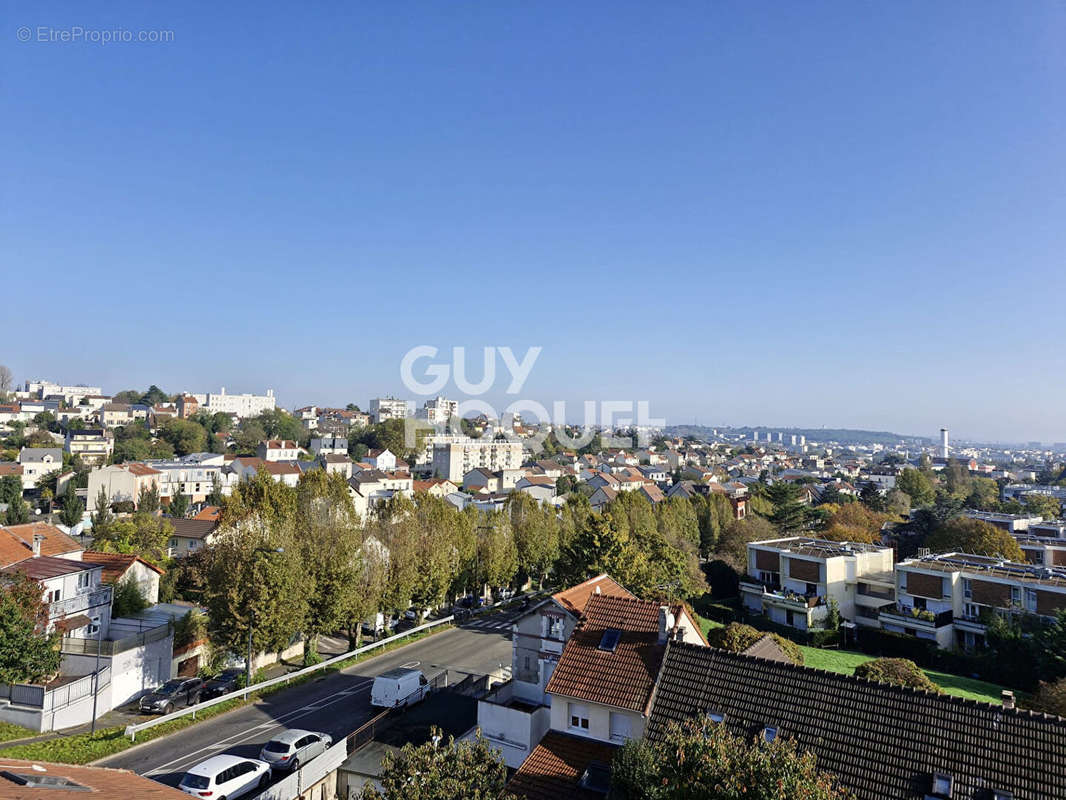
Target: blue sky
pixel 781 214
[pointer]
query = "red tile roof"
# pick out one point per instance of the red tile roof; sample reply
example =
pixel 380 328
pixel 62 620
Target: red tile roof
pixel 16 542
pixel 10 469
pixel 554 768
pixel 116 564
pixel 136 468
pixel 623 677
pixel 101 782
pixel 209 513
pixel 577 597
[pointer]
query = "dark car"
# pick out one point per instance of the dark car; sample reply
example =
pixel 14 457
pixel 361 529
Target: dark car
pixel 229 680
pixel 176 693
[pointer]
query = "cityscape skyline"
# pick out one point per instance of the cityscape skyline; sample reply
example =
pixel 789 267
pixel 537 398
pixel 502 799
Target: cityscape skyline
pixel 747 217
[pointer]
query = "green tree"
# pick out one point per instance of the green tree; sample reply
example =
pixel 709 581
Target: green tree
pixel 10 489
pixel 702 759
pixel 497 550
pixel 976 537
pixel 871 497
pixel 179 506
pixel 127 598
pixel 101 516
pixel 141 534
pixel 737 637
pixel 437 770
pixel 536 535
pixel 71 510
pixel 215 497
pixel 915 483
pixel 18 513
pixel 733 547
pixel 27 653
pixel 1051 698
pixel 789 513
pixel 148 499
pixel 1044 505
pixel 184 435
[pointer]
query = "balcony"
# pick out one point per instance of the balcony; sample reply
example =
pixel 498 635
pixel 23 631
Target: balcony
pixel 783 597
pixel 916 616
pixel 80 603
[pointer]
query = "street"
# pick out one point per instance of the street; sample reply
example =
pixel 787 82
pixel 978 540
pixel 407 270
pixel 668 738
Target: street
pixel 336 704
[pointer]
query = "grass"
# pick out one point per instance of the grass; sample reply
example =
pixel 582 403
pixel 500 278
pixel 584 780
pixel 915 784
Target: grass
pixel 845 661
pixel 9 731
pixel 84 748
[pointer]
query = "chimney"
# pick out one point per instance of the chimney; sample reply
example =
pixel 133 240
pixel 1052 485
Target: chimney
pixel 666 624
pixel 37 539
pixel 1008 698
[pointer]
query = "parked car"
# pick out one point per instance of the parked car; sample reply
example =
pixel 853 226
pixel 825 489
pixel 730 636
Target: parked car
pixel 471 601
pixel 289 749
pixel 175 693
pixel 227 681
pixel 399 687
pixel 413 613
pixel 226 777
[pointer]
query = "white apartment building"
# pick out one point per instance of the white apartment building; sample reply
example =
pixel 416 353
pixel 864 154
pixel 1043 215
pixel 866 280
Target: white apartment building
pixel 453 460
pixel 329 446
pixel 384 408
pixel 72 394
pixel 791 581
pixel 278 450
pixel 240 405
pixel 121 483
pixel 194 476
pixel 91 446
pixel 37 462
pixel 438 410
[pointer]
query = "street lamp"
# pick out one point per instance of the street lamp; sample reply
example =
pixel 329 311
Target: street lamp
pixel 251 619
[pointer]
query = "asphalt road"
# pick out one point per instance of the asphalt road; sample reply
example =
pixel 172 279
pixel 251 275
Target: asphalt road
pixel 336 704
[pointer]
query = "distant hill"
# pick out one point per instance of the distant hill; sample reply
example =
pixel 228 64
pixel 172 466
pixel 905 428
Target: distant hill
pixel 841 435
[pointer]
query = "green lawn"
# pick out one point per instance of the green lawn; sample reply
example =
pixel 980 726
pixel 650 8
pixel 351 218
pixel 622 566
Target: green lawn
pixel 845 661
pixel 9 731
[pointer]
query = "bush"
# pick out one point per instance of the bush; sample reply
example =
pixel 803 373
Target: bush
pixel 128 598
pixel 899 671
pixel 1051 698
pixel 738 637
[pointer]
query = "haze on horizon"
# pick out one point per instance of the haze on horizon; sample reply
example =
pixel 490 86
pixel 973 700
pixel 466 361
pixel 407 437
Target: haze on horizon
pixel 798 215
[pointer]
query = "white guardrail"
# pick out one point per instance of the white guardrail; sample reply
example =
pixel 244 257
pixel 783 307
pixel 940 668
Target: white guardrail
pixel 133 730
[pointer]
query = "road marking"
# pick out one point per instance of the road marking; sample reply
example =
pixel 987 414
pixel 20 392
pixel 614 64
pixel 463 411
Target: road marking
pixel 254 730
pixel 410 665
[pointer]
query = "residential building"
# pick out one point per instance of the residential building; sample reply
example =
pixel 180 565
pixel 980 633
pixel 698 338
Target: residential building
pixel 78 601
pixel 385 460
pixel 337 462
pixel 792 580
pixel 118 567
pixel 116 415
pixel 437 487
pixel 244 467
pixel 1049 529
pixel 240 405
pixel 540 487
pixel 386 408
pixel 191 535
pixel 121 483
pixel 329 445
pixel 19 542
pixel 37 462
pixel 453 460
pixel 601 498
pixel 278 450
pixel 194 476
pixel 881 741
pixel 48 781
pixel 950 597
pixel 92 446
pixel 72 395
pixel 1012 523
pixel 438 411
pixel 187 406
pixel 372 488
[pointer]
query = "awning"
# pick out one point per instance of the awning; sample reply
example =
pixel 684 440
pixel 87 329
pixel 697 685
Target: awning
pixel 68 624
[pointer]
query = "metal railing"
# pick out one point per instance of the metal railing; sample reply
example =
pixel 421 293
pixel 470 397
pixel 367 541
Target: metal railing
pixel 83 601
pixel 108 647
pixel 133 730
pixel 39 696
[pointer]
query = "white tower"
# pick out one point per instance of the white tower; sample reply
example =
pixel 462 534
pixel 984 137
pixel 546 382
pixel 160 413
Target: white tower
pixel 944 449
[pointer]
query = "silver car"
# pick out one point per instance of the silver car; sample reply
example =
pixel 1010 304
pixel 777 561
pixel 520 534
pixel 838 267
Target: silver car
pixel 289 749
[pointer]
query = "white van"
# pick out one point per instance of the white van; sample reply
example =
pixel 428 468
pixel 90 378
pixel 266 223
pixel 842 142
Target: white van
pixel 399 687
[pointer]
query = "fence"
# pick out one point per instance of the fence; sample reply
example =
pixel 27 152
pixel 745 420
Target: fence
pixel 37 696
pixel 306 777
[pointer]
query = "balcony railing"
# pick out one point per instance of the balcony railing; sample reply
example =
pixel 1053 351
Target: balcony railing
pixel 881 594
pixel 785 596
pixel 918 616
pixel 100 596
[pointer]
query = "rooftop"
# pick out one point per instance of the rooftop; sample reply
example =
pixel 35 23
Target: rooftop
pixel 16 542
pixel 44 567
pixel 554 769
pixel 881 740
pixel 42 780
pixel 991 567
pixel 577 597
pixel 805 546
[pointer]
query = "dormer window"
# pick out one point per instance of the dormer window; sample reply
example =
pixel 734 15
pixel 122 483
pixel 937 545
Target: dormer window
pixel 716 716
pixel 769 734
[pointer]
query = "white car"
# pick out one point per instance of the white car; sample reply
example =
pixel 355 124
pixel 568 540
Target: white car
pixel 226 777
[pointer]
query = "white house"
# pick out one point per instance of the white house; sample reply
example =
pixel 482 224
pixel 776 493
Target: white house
pixel 37 462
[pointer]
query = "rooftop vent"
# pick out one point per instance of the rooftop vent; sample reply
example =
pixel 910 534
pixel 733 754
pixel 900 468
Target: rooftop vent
pixel 40 781
pixel 610 640
pixel 1007 696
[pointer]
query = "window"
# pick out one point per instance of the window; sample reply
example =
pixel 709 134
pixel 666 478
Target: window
pixel 55 595
pixel 1015 595
pixel 579 716
pixel 621 729
pixel 83 580
pixel 967 588
pixel 769 733
pixel 1030 600
pixel 903 581
pixel 610 639
pixel 93 627
pixel 941 785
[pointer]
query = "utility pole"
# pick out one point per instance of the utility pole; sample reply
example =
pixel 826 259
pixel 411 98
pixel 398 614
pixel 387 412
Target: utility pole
pixel 96 673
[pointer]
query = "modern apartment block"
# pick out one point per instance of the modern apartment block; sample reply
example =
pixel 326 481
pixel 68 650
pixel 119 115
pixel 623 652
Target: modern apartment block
pixel 791 581
pixel 71 394
pixel 438 410
pixel 453 460
pixel 1011 523
pixel 949 598
pixel 385 408
pixel 240 405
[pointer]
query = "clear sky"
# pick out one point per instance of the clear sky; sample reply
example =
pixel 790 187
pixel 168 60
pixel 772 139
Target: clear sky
pixel 842 214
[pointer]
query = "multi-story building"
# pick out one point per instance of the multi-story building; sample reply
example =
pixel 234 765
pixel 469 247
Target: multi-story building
pixel 949 597
pixel 1049 529
pixel 37 462
pixel 385 408
pixel 71 394
pixel 278 450
pixel 455 459
pixel 92 446
pixel 438 410
pixel 121 483
pixel 240 405
pixel 187 406
pixel 329 445
pixel 194 476
pixel 792 580
pixel 1012 523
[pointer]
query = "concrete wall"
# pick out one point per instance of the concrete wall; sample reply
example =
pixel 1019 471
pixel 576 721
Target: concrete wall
pixel 135 671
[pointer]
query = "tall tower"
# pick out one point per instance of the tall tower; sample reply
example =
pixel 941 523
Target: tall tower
pixel 944 443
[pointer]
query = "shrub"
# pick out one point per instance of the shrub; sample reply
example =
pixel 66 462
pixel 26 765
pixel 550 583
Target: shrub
pixel 899 671
pixel 1051 698
pixel 738 637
